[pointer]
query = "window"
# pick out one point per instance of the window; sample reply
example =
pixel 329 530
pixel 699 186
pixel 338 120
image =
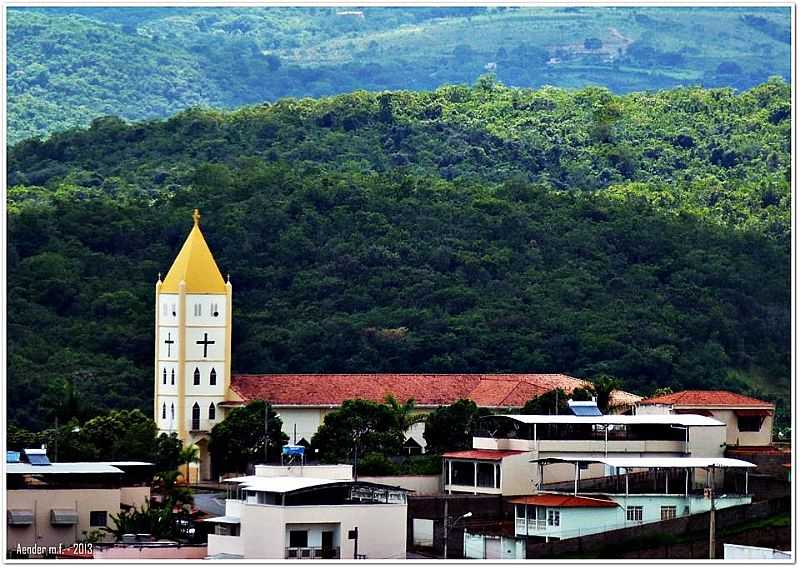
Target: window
pixel 164 309
pixel 212 411
pixel 174 311
pixel 750 423
pixel 196 416
pixel 196 376
pixel 212 378
pixel 298 539
pixel 198 310
pixel 485 474
pixel 164 411
pixel 634 513
pixel 98 518
pixel 668 512
pixel 172 412
pixel 215 310
pixel 462 473
pixel 553 517
pixel 165 375
pixel 172 374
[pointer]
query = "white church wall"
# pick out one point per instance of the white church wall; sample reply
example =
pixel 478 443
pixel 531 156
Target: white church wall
pixel 205 388
pixel 168 346
pixel 195 348
pixel 203 402
pixel 169 309
pixel 200 310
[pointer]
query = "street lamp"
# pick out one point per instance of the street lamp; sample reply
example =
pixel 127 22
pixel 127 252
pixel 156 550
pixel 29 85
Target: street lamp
pixel 266 434
pixel 449 526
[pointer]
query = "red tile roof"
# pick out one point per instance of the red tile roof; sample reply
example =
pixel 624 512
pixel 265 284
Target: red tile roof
pixel 493 455
pixel 708 398
pixel 497 391
pixel 552 500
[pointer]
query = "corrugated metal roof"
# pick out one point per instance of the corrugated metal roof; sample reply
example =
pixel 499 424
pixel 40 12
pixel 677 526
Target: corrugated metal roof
pixel 666 462
pixel 558 500
pixel 676 419
pixel 62 468
pixel 227 520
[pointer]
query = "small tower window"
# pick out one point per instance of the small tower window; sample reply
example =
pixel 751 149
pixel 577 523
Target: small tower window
pixel 164 411
pixel 196 416
pixel 174 311
pixel 198 310
pixel 212 412
pixel 165 375
pixel 215 309
pixel 212 379
pixel 164 309
pixel 172 412
pixel 172 375
pixel 196 376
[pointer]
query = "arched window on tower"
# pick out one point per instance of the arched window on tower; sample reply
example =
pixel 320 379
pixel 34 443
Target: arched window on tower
pixel 212 379
pixel 196 416
pixel 196 376
pixel 164 411
pixel 172 412
pixel 172 374
pixel 212 411
pixel 165 375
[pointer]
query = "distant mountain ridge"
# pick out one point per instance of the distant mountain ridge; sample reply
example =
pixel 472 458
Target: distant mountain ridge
pixel 68 66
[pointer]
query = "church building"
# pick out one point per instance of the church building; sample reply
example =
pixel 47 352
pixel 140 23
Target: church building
pixel 194 388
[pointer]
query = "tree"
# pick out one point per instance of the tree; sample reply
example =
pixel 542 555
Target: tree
pixel 189 455
pixel 239 440
pixel 661 391
pixel 358 428
pixel 404 413
pixel 552 402
pixel 604 385
pixel 167 452
pixel 451 427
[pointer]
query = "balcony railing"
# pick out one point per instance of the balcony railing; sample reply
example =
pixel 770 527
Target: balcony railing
pixel 312 553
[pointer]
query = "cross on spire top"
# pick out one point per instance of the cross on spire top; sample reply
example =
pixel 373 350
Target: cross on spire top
pixel 196 216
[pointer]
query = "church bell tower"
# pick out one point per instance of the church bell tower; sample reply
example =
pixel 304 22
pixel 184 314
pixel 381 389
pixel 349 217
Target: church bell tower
pixel 192 343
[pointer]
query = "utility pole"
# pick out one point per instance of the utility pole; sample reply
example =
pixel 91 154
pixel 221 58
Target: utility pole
pixel 55 440
pixel 355 543
pixel 712 520
pixel 266 434
pixel 446 528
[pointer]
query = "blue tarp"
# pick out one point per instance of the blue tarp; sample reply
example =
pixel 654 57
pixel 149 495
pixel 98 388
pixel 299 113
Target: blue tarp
pixel 12 457
pixel 294 450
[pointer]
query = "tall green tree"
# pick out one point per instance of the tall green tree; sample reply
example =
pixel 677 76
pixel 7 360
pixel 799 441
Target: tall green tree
pixel 239 441
pixel 450 428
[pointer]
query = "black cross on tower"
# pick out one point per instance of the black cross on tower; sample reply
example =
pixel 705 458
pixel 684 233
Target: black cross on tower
pixel 169 341
pixel 205 343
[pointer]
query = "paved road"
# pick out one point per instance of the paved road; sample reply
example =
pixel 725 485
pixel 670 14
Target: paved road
pixel 212 503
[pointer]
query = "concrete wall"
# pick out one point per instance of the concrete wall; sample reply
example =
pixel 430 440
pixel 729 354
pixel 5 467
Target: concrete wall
pixel 518 474
pixel 43 500
pixel 737 438
pixel 333 471
pixel 189 552
pixel 134 496
pixel 419 484
pixel 382 529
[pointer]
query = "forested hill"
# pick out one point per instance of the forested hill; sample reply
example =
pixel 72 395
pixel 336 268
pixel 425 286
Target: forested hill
pixel 482 229
pixel 69 65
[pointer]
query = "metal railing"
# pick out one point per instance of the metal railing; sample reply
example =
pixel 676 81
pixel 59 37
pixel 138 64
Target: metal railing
pixel 312 553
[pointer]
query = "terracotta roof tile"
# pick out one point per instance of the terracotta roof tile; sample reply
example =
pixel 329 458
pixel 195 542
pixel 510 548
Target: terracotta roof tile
pixel 507 390
pixel 709 398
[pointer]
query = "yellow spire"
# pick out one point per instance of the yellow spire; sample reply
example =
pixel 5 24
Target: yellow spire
pixel 194 265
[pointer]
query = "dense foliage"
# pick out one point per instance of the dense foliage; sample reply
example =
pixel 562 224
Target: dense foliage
pixel 239 441
pixel 450 428
pixel 356 430
pixel 482 229
pixel 68 65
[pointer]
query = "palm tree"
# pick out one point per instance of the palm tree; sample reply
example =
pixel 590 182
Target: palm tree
pixel 189 454
pixel 404 412
pixel 604 385
pixel 174 494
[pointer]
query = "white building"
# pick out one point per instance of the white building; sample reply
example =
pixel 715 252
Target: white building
pixel 674 491
pixel 300 516
pixel 499 462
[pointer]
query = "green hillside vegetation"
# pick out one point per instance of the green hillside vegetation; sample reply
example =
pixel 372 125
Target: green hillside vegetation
pixel 483 229
pixel 67 66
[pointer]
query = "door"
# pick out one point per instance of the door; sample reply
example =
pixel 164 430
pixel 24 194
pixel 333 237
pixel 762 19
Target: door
pixel 493 548
pixel 327 545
